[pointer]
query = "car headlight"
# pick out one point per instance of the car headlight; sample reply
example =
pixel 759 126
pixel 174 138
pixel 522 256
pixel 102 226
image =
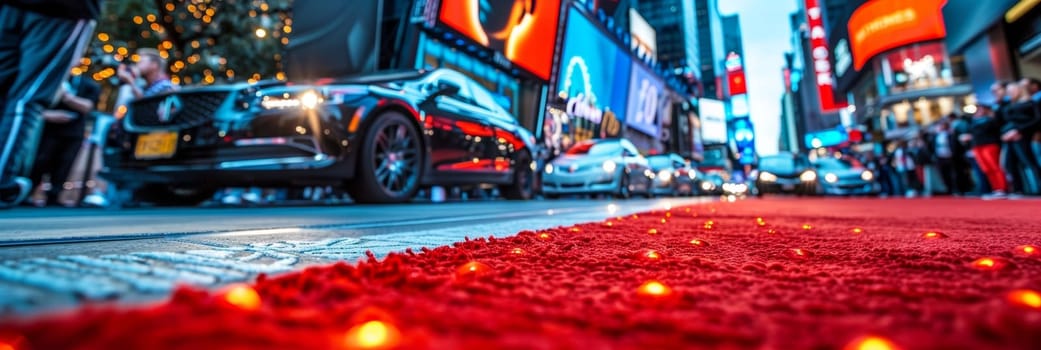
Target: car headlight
pixel 767 177
pixel 831 178
pixel 610 166
pixel 549 168
pixel 808 176
pixel 307 100
pixel 867 176
pixel 692 175
pixel 707 186
pixel 648 173
pixel 665 175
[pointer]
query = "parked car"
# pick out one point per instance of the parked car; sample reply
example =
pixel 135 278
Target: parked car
pixel 712 183
pixel 381 136
pixel 786 173
pixel 845 176
pixel 602 166
pixel 672 176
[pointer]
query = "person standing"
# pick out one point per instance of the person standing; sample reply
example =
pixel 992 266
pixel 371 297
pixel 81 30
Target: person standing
pixel 1021 122
pixel 986 146
pixel 39 40
pixel 63 134
pixel 942 145
pixel 152 68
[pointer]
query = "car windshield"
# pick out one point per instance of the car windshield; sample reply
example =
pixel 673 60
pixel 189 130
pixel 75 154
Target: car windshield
pixel 835 164
pixel 659 162
pixel 784 165
pixel 594 148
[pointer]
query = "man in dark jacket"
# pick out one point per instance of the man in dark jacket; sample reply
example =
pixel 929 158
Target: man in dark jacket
pixel 39 40
pixel 1021 121
pixel 63 134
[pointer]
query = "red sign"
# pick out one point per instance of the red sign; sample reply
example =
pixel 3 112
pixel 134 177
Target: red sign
pixel 736 80
pixel 821 56
pixel 883 25
pixel 525 31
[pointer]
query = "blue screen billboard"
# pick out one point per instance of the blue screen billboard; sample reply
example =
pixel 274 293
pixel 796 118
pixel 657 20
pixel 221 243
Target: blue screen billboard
pixel 648 102
pixel 590 68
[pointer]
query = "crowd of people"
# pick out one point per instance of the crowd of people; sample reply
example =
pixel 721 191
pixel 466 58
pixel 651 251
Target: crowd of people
pixel 993 153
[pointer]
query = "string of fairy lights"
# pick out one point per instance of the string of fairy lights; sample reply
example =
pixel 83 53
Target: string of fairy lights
pixel 204 41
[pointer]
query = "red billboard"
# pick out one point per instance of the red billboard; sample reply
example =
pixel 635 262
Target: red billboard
pixel 735 75
pixel 524 31
pixel 821 56
pixel 883 25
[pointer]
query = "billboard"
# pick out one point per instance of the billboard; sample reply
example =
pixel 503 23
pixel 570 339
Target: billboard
pixel 524 31
pixel 821 56
pixel 590 67
pixel 713 121
pixel 882 25
pixel 333 39
pixel 648 102
pixel 644 37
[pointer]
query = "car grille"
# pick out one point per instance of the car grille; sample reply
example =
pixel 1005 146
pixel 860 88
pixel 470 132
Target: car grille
pixel 195 109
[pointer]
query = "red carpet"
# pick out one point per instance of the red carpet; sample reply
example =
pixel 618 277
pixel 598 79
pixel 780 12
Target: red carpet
pixel 812 274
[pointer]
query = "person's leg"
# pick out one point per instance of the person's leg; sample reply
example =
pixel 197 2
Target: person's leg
pixel 1010 164
pixel 1032 170
pixel 46 159
pixel 988 157
pixel 65 157
pixel 46 49
pixel 948 175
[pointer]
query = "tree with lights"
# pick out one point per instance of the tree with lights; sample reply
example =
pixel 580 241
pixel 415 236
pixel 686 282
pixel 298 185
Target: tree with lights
pixel 205 41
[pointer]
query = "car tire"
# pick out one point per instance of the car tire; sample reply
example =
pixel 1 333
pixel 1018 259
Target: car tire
pixel 391 138
pixel 522 187
pixel 170 196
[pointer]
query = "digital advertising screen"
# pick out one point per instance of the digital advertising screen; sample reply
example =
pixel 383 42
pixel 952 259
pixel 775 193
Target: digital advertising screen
pixel 713 121
pixel 590 67
pixel 525 31
pixel 648 101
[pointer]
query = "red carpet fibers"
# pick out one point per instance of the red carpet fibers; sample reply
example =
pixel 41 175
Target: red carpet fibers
pixel 811 274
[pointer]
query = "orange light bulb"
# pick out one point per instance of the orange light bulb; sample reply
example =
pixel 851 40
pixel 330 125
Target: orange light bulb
pixel 989 264
pixel 798 254
pixel 807 227
pixel 654 289
pixel 857 230
pixel 609 224
pixel 664 221
pixel 1028 250
pixel 544 236
pixel 517 251
pixel 242 296
pixel 373 335
pixel 652 231
pixel 472 269
pixel 871 343
pixel 1025 298
pixel 933 235
pixel 652 255
pixel 771 232
pixel 575 229
pixel 668 214
pixel 698 243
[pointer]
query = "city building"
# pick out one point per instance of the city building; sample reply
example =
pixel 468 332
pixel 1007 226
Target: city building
pixel 891 62
pixel 999 41
pixel 732 40
pixel 710 47
pixel 676 34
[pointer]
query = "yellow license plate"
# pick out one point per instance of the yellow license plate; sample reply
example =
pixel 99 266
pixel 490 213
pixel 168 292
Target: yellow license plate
pixel 156 145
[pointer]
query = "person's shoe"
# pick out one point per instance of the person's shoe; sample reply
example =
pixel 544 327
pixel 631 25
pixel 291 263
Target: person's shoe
pixel 995 196
pixel 14 192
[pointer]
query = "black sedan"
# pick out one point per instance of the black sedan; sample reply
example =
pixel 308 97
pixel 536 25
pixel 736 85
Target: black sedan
pixel 381 137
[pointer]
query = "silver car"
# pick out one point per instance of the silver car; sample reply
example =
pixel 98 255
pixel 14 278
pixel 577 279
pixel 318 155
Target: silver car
pixel 604 166
pixel 842 176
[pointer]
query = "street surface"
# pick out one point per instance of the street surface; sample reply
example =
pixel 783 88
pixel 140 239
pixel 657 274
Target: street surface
pixel 51 259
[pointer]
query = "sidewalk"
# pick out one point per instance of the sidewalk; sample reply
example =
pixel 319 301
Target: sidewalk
pixel 776 274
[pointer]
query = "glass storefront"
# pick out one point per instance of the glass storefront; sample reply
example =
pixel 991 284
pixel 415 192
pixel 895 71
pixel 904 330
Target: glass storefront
pixel 919 67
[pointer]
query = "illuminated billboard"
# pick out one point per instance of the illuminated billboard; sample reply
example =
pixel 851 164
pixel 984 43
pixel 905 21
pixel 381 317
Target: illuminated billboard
pixel 821 56
pixel 883 25
pixel 713 121
pixel 590 68
pixel 524 31
pixel 648 102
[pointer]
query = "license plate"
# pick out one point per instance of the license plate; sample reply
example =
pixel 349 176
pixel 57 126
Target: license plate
pixel 788 187
pixel 156 145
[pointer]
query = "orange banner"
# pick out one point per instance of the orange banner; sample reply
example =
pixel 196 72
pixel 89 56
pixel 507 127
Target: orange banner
pixel 883 25
pixel 525 31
